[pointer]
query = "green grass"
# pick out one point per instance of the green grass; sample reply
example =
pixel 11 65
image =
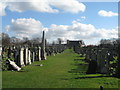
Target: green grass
pixel 66 70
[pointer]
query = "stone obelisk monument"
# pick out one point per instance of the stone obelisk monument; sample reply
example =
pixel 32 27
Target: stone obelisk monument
pixel 43 53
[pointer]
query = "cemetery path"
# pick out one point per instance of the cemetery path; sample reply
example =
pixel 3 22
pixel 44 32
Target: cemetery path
pixel 61 71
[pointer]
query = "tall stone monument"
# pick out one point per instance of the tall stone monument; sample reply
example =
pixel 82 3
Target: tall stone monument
pixel 43 53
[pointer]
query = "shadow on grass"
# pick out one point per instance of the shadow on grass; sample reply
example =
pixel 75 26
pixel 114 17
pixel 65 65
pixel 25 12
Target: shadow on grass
pixel 90 77
pixel 78 64
pixel 78 59
pixel 23 70
pixel 80 67
pixel 79 56
pixel 86 77
pixel 37 65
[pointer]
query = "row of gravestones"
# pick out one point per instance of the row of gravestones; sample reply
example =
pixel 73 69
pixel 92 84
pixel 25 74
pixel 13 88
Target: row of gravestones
pixel 98 59
pixel 23 56
pixel 53 50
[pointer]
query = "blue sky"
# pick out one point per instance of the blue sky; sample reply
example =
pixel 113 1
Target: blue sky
pixel 74 22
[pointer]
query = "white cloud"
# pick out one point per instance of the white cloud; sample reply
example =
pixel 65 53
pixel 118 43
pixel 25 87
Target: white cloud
pixel 25 27
pixel 72 6
pixel 83 17
pixel 2 9
pixel 77 31
pixel 42 6
pixel 80 31
pixel 107 14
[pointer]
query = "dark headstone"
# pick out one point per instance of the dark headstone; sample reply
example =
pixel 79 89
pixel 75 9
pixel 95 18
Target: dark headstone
pixel 43 53
pixel 92 68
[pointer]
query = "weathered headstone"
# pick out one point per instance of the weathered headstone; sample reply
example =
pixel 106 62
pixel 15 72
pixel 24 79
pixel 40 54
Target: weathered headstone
pixel 21 58
pixel 13 66
pixel 33 56
pixel 26 56
pixel 0 50
pixel 39 53
pixel 43 53
pixel 9 52
pixel 29 57
pixel 16 55
pixel 92 68
pixel 101 60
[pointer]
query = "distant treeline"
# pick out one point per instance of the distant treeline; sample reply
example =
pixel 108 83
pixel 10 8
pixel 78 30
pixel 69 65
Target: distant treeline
pixel 7 41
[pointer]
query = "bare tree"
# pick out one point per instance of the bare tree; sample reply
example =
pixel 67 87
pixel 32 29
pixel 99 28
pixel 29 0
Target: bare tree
pixel 5 39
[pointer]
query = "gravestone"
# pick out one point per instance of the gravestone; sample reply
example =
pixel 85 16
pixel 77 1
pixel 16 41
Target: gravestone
pixel 12 65
pixel 110 56
pixel 87 56
pixel 21 58
pixel 35 52
pixel 0 50
pixel 16 55
pixel 53 52
pixel 9 52
pixel 47 51
pixel 101 60
pixel 92 68
pixel 29 57
pixel 26 56
pixel 94 55
pixel 43 53
pixel 39 53
pixel 33 56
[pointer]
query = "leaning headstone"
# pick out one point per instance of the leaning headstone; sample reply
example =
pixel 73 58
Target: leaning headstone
pixel 43 53
pixel 13 65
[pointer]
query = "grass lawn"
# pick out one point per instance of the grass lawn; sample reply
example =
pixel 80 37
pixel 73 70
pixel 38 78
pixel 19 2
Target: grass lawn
pixel 66 70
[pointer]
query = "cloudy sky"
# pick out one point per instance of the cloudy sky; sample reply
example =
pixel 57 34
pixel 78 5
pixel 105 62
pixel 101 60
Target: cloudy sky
pixel 65 19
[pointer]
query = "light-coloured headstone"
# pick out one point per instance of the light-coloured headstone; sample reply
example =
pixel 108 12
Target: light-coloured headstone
pixel 26 56
pixel 21 58
pixel 14 65
pixel 0 50
pixel 29 57
pixel 39 53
